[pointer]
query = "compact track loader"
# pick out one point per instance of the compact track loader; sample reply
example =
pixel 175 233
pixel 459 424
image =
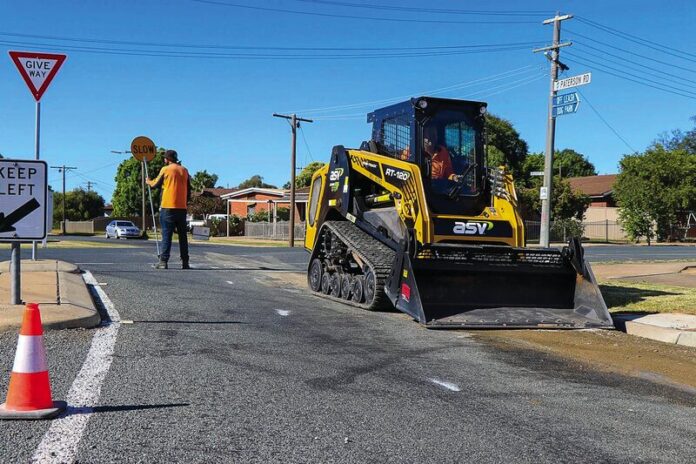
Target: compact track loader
pixel 414 219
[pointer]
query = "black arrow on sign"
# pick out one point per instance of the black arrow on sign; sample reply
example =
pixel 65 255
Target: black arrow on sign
pixel 6 222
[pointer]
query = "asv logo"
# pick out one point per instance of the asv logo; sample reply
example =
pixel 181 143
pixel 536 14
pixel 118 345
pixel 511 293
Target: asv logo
pixel 336 174
pixel 472 228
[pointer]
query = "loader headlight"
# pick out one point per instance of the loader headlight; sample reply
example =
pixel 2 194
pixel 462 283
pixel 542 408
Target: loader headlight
pixel 422 104
pixel 483 110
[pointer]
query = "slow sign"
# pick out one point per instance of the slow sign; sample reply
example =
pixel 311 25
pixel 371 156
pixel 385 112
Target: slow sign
pixel 143 149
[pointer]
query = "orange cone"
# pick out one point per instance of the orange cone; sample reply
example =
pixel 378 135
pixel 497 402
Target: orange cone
pixel 29 393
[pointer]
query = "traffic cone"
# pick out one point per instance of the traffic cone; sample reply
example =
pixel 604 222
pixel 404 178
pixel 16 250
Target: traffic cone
pixel 29 393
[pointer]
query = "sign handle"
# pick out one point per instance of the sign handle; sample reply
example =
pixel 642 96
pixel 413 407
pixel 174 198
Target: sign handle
pixel 152 208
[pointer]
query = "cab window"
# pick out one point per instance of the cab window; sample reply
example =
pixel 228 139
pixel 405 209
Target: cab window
pixel 314 200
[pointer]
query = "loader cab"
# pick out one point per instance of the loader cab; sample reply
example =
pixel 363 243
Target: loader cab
pixel 445 138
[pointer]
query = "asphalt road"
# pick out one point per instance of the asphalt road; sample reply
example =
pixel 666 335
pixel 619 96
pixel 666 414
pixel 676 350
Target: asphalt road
pixel 234 362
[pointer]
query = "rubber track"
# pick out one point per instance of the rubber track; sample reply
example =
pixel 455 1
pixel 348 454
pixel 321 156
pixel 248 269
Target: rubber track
pixel 374 253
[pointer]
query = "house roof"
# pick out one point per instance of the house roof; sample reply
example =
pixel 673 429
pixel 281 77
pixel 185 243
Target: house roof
pixel 216 192
pixel 251 191
pixel 594 186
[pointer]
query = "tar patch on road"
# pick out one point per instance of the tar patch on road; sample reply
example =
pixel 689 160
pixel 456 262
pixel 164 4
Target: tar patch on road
pixel 611 358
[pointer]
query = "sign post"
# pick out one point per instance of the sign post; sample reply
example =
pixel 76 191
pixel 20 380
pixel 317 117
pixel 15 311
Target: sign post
pixel 37 70
pixel 144 150
pixel 23 190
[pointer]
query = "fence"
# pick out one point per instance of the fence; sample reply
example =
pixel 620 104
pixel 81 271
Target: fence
pixel 78 227
pixel 605 231
pixel 278 231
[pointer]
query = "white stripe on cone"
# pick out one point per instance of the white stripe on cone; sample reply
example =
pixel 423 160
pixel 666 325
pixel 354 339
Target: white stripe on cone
pixel 31 355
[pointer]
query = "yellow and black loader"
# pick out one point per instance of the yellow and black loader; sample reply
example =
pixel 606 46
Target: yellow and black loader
pixel 414 219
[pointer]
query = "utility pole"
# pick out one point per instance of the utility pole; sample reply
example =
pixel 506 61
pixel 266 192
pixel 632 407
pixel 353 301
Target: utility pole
pixel 62 169
pixel 89 186
pixel 550 126
pixel 294 123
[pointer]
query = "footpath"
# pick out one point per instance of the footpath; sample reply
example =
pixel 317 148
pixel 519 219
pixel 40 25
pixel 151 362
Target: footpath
pixel 59 289
pixel 679 329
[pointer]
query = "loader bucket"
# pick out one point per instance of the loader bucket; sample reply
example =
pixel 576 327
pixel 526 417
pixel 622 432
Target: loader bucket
pixel 500 287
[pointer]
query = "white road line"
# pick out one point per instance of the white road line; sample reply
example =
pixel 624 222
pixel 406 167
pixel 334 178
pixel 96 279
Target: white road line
pixel 283 312
pixel 60 442
pixel 450 386
pixel 95 263
pixel 229 282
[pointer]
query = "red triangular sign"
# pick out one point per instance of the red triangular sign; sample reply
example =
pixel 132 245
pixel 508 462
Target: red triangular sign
pixel 37 69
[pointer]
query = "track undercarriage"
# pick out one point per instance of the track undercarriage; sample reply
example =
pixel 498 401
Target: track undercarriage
pixel 348 265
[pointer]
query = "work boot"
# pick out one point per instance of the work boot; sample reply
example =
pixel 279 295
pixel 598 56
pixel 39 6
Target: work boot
pixel 160 265
pixel 185 264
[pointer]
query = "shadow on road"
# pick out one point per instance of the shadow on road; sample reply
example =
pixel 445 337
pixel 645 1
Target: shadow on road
pixel 128 407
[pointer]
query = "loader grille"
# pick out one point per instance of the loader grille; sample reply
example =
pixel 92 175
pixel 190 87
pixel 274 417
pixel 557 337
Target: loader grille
pixel 492 255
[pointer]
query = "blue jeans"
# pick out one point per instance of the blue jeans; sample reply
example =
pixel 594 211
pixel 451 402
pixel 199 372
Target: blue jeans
pixel 171 219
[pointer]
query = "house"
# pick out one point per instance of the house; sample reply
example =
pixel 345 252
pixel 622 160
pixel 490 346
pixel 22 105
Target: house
pixel 600 189
pixel 255 199
pixel 108 210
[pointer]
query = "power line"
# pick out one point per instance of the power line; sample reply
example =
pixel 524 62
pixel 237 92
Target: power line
pixel 306 145
pixel 626 60
pixel 584 98
pixel 494 77
pixel 429 10
pixel 614 47
pixel 360 17
pixel 594 62
pixel 255 47
pixel 606 66
pixel 637 80
pixel 257 56
pixel 638 40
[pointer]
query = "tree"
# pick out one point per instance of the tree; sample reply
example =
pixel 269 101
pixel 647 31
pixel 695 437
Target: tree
pixel 203 179
pixel 652 187
pixel 304 178
pixel 255 181
pixel 565 203
pixel 570 162
pixel 127 196
pixel 80 205
pixel 505 146
pixel 199 206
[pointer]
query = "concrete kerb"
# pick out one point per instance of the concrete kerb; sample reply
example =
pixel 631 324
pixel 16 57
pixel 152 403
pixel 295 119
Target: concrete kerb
pixel 65 304
pixel 677 329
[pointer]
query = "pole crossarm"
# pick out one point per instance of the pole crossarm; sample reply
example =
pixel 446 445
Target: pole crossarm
pixel 552 47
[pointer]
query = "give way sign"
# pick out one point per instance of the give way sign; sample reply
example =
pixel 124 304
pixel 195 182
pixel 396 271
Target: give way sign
pixel 37 69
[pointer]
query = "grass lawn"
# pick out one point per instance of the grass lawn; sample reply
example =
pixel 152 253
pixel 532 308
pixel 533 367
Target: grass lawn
pixel 647 297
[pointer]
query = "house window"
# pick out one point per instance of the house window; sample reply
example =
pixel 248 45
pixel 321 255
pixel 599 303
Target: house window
pixel 251 209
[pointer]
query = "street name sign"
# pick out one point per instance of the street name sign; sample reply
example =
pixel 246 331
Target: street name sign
pixel 565 109
pixel 23 200
pixel 143 149
pixel 575 81
pixel 536 173
pixel 37 69
pixel 566 99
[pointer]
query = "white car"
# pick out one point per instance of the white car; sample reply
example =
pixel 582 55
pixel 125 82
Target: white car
pixel 121 229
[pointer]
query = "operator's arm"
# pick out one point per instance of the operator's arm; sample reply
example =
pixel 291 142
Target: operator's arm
pixel 157 181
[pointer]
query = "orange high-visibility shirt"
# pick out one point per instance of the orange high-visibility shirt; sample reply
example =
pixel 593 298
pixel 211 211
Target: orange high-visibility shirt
pixel 441 167
pixel 174 179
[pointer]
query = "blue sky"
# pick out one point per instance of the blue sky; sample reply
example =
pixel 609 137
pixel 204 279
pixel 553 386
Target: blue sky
pixel 216 112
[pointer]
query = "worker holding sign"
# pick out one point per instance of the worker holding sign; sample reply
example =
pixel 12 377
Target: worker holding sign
pixel 176 191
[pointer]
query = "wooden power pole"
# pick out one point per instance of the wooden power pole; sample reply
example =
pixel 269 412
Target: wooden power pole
pixel 294 123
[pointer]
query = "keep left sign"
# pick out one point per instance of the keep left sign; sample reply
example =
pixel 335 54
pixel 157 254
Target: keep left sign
pixel 23 197
pixel 37 69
